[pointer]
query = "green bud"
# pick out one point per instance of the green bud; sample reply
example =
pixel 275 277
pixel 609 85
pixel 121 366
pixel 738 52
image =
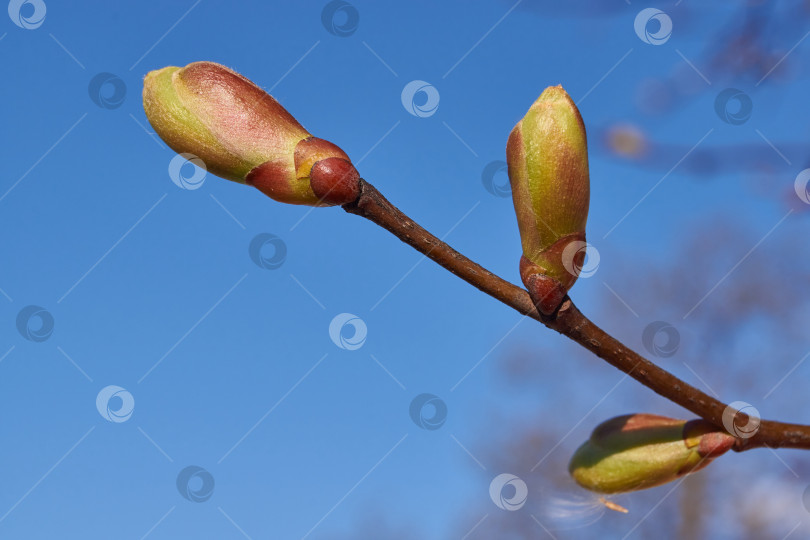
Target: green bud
pixel 242 134
pixel 639 451
pixel 547 155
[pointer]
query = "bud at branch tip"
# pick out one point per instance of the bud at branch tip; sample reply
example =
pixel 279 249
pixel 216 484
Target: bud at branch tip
pixel 243 134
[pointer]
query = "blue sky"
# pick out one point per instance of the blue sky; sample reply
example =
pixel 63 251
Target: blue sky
pixel 230 366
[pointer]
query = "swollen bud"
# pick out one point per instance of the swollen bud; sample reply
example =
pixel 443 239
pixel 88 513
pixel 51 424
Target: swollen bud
pixel 639 451
pixel 547 155
pixel 242 134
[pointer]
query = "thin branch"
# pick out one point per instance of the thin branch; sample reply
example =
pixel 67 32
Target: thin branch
pixel 570 322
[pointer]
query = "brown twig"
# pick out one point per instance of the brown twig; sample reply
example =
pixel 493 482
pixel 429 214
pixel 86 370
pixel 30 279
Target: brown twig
pixel 569 321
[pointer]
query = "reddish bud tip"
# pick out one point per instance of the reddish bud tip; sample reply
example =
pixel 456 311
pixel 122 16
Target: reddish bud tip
pixel 710 441
pixel 334 180
pixel 546 292
pixel 715 444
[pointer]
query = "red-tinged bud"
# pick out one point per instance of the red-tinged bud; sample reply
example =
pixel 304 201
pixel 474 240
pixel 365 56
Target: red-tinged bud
pixel 242 134
pixel 639 451
pixel 548 169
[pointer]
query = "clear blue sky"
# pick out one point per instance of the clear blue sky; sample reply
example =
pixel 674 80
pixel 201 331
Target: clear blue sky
pixel 230 366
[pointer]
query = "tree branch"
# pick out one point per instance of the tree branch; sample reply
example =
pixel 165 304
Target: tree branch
pixel 570 322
